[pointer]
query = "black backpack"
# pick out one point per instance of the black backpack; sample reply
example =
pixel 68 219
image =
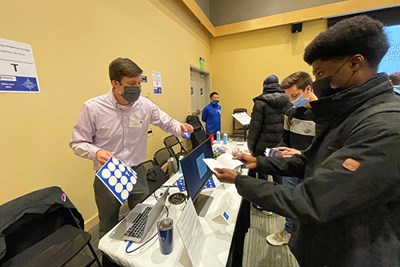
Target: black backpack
pixel 156 174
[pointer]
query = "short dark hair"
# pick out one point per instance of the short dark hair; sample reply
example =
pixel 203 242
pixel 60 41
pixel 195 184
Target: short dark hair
pixel 300 78
pixel 395 78
pixel 123 67
pixel 213 93
pixel 356 35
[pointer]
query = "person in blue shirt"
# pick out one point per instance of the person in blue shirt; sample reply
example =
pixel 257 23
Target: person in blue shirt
pixel 212 115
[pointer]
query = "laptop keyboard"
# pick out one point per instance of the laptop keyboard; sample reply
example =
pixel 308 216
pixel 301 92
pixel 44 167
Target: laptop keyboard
pixel 138 224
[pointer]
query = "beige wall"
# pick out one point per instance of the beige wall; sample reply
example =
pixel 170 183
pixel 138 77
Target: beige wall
pixel 73 42
pixel 241 62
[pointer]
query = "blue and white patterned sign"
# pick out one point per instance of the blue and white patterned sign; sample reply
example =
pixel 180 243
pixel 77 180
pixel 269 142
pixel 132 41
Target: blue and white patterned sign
pixel 119 178
pixel 182 187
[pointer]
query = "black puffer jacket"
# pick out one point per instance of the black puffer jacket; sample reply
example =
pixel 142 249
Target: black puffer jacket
pixel 266 126
pixel 348 204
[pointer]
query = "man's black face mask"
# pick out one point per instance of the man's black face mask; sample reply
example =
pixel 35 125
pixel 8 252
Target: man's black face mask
pixel 131 93
pixel 323 87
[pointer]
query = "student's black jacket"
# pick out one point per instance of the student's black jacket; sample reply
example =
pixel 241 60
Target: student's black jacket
pixel 266 125
pixel 349 215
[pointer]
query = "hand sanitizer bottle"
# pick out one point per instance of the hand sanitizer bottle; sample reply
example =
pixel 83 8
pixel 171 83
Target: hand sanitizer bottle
pixel 225 138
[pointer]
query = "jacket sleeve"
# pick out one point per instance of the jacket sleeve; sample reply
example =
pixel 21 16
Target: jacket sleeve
pixel 204 114
pixel 286 132
pixel 255 126
pixel 284 166
pixel 336 189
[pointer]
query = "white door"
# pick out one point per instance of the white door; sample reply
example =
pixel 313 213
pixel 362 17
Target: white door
pixel 199 90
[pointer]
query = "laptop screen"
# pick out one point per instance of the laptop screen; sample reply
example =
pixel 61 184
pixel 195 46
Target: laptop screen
pixel 195 171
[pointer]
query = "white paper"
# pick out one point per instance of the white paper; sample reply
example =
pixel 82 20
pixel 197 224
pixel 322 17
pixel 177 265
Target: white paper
pixel 191 233
pixel 223 161
pixel 226 208
pixel 243 118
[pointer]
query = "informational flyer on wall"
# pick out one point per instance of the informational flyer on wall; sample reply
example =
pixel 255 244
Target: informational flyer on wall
pixel 17 68
pixel 157 84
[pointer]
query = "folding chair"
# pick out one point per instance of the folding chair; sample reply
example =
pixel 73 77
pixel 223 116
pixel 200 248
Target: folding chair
pixel 198 135
pixel 237 128
pixel 192 118
pixel 161 157
pixel 174 146
pixel 42 228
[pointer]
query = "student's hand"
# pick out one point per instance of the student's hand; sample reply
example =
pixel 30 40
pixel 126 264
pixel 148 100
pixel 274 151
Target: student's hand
pixel 287 151
pixel 225 175
pixel 186 127
pixel 103 155
pixel 250 162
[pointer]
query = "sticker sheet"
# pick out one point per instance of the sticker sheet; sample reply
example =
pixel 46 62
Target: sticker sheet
pixel 119 178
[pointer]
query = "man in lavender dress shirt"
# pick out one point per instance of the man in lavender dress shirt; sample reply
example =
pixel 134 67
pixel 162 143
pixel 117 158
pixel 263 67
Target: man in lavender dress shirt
pixel 115 124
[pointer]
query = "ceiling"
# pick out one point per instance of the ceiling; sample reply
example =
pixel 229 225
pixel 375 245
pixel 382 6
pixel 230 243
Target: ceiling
pixel 225 17
pixel 222 12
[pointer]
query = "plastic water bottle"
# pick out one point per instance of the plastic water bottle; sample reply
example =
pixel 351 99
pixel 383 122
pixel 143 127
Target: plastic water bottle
pixel 179 164
pixel 225 138
pixel 171 166
pixel 218 136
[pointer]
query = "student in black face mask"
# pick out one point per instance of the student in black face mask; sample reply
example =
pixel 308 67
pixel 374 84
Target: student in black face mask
pixel 348 203
pixel 323 87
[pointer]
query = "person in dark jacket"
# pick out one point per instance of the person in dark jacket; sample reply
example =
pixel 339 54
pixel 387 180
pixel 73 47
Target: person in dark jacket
pixel 348 204
pixel 298 133
pixel 266 125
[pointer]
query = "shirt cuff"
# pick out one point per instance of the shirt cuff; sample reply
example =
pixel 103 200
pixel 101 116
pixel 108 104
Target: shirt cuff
pixel 92 153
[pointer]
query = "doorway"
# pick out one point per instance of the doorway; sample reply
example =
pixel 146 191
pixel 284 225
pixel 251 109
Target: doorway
pixel 199 90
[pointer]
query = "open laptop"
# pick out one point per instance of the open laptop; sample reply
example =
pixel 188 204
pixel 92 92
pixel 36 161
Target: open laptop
pixel 135 226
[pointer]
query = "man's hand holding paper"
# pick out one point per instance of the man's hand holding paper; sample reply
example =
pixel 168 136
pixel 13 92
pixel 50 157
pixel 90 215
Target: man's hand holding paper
pixel 226 160
pixel 225 175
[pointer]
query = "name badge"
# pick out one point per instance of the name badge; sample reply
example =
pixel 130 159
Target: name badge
pixel 135 123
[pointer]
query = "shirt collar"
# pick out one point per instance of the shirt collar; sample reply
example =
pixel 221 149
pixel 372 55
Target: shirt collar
pixel 115 103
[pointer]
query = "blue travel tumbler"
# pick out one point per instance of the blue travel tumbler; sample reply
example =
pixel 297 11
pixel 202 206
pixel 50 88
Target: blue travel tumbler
pixel 166 235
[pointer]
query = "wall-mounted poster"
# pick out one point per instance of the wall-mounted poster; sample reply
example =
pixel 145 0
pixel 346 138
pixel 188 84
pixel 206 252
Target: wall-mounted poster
pixel 17 68
pixel 157 84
